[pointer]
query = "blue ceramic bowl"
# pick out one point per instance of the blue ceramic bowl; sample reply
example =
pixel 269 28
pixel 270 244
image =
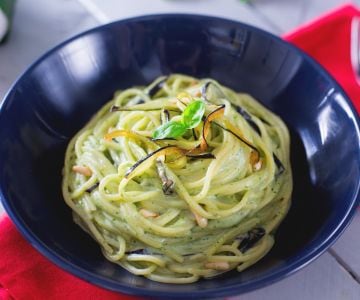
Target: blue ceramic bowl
pixel 54 98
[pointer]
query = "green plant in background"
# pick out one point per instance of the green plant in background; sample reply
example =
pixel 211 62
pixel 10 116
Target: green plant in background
pixel 6 12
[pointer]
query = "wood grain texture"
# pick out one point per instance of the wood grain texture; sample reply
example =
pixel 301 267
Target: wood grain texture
pixel 323 279
pixel 287 15
pixel 120 9
pixel 38 25
pixel 347 248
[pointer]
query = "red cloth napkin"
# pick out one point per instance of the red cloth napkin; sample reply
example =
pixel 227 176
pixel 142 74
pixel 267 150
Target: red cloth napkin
pixel 26 274
pixel 327 40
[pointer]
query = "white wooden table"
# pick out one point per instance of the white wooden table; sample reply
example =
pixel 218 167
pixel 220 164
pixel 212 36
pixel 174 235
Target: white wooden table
pixel 41 24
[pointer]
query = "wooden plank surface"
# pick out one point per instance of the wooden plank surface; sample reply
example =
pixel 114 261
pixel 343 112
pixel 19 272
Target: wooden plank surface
pixel 347 249
pixel 287 15
pixel 37 26
pixel 111 10
pixel 321 280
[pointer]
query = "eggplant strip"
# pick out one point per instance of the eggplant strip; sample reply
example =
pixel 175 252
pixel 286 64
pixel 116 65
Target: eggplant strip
pixel 238 109
pixel 194 134
pixel 151 157
pixel 204 90
pixel 117 133
pixel 251 238
pixel 255 154
pixel 195 151
pixel 264 121
pixel 279 165
pixel 139 251
pixel 92 188
pixel 166 116
pixel 231 128
pixel 167 184
pixel 207 155
pixel 157 87
pixel 164 139
pixel 116 108
pixel 216 114
pixel 247 117
pixel 131 135
pixel 219 94
pixel 164 151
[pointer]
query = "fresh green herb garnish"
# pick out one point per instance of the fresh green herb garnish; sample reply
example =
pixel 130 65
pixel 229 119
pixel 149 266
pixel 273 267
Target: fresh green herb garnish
pixel 190 118
pixel 193 113
pixel 170 129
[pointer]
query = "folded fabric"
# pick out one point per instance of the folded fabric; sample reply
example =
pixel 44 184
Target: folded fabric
pixel 26 274
pixel 327 40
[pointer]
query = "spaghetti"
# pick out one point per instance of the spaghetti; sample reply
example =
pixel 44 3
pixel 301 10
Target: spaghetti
pixel 181 179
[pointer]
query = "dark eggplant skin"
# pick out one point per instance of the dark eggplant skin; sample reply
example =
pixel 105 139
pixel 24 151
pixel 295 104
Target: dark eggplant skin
pixel 168 187
pixel 208 119
pixel 265 122
pixel 114 108
pixel 164 116
pixel 234 134
pixel 157 87
pixel 194 134
pixel 248 119
pixel 164 139
pixel 251 238
pixel 139 251
pixel 202 156
pixel 167 184
pixel 92 188
pixel 139 162
pixel 204 90
pixel 140 101
pixel 239 109
pixel 279 165
pixel 167 115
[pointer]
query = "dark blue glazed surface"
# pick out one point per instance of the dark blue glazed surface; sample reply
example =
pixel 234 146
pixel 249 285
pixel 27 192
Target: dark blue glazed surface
pixel 54 98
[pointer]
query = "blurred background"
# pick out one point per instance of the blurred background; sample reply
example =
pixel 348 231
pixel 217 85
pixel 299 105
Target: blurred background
pixel 38 25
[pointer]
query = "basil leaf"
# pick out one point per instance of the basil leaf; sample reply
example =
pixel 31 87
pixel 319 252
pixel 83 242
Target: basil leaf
pixel 193 113
pixel 170 129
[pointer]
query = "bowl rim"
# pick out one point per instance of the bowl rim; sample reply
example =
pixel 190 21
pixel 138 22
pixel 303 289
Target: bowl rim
pixel 261 281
